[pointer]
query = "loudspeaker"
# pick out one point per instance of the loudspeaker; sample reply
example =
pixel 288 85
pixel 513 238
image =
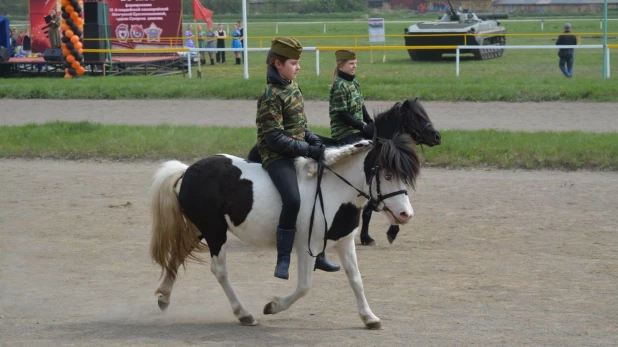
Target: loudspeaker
pixel 52 54
pixel 96 12
pixel 96 37
pixel 4 54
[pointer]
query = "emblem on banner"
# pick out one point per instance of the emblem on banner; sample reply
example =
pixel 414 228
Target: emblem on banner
pixel 122 32
pixel 153 33
pixel 137 32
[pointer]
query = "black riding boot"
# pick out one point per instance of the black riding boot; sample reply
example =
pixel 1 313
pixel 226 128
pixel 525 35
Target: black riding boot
pixel 321 263
pixel 285 242
pixel 212 62
pixel 237 61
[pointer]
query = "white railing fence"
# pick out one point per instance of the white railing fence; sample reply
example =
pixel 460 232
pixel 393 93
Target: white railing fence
pixel 457 53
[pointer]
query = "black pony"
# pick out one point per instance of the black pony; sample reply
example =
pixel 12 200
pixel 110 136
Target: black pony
pixel 409 118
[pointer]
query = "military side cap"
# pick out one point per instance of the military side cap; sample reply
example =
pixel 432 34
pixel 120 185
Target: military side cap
pixel 345 54
pixel 288 47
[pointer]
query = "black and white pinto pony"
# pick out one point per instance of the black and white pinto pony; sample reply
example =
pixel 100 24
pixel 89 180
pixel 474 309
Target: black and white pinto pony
pixel 224 193
pixel 408 117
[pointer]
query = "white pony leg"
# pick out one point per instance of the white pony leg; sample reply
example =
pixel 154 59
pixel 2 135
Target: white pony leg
pixel 305 279
pixel 347 253
pixel 219 269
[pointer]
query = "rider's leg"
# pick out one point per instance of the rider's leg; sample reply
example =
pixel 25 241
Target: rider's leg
pixel 283 174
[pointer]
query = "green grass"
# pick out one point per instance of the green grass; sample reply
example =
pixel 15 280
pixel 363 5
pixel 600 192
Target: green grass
pixel 460 149
pixel 315 88
pixel 520 75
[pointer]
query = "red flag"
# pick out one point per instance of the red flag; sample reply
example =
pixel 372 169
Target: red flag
pixel 202 13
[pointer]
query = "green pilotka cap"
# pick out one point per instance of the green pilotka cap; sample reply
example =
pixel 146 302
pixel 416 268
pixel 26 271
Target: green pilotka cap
pixel 288 47
pixel 345 54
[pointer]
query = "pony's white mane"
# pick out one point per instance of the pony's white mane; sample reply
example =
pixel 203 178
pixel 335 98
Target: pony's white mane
pixel 332 156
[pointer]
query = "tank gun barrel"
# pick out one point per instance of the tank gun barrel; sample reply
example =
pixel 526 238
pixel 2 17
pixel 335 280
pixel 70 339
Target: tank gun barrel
pixel 487 16
pixel 451 10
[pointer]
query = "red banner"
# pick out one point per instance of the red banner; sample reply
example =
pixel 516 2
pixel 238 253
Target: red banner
pixel 143 23
pixel 38 10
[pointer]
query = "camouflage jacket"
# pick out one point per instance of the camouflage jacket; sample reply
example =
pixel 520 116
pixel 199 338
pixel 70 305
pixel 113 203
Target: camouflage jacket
pixel 280 107
pixel 346 96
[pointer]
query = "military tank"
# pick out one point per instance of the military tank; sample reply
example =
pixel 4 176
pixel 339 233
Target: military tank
pixel 458 28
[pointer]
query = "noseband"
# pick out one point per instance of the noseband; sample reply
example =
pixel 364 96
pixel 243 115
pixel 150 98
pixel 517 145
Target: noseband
pixel 417 134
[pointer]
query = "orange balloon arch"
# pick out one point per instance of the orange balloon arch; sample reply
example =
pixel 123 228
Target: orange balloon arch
pixel 72 37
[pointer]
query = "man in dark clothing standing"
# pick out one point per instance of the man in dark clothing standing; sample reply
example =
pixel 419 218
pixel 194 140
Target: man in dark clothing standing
pixel 221 36
pixel 566 54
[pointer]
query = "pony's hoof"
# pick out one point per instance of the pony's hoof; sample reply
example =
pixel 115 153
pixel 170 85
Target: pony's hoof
pixel 268 309
pixel 374 326
pixel 248 321
pixel 392 232
pixel 390 239
pixel 368 242
pixel 162 302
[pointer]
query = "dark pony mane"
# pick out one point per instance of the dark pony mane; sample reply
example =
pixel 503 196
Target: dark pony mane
pixel 401 113
pixel 397 157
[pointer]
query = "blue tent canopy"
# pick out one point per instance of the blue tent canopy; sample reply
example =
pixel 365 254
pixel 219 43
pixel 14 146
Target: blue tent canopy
pixel 5 34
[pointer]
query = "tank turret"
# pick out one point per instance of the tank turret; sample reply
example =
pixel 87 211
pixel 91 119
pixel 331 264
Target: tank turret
pixel 458 28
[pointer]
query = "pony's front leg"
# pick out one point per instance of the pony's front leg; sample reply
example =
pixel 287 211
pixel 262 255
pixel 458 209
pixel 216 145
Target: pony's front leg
pixel 347 253
pixel 219 269
pixel 364 236
pixel 305 278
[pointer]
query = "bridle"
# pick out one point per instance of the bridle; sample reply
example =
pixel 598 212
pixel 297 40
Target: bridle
pixel 374 203
pixel 416 135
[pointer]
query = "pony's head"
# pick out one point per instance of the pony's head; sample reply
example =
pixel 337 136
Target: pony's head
pixel 409 118
pixel 390 168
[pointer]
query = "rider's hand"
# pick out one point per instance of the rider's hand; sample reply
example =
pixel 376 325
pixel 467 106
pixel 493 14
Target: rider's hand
pixel 368 130
pixel 315 152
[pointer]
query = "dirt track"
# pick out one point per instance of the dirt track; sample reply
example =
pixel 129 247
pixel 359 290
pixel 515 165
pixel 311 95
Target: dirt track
pixel 527 116
pixel 491 258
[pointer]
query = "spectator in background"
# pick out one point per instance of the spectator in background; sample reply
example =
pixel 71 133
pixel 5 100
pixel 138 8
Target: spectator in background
pixel 242 33
pixel 211 37
pixel 566 55
pixel 54 29
pixel 13 40
pixel 189 35
pixel 27 43
pixel 236 36
pixel 201 43
pixel 221 36
pixel 20 38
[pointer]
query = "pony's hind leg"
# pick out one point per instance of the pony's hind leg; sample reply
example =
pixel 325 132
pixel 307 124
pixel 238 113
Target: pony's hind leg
pixel 166 284
pixel 164 289
pixel 347 253
pixel 306 264
pixel 219 269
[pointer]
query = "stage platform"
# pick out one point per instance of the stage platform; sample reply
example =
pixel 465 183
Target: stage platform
pixel 149 65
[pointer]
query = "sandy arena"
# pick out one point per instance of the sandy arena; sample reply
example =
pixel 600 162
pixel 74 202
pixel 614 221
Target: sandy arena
pixel 491 258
